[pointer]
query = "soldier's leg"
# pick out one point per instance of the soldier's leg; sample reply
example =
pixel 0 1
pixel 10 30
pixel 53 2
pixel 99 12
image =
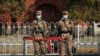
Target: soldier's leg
pixel 62 48
pixel 36 49
pixel 43 47
pixel 69 45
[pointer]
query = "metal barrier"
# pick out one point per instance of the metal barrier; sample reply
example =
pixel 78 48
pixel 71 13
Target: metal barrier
pixel 48 48
pixel 12 43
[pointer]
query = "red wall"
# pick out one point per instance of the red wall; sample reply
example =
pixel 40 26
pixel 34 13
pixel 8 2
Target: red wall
pixel 28 3
pixel 59 4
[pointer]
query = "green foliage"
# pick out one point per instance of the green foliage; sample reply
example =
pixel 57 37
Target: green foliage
pixel 14 7
pixel 87 10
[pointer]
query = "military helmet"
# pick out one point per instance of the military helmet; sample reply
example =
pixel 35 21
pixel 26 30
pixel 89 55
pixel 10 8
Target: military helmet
pixel 65 12
pixel 38 12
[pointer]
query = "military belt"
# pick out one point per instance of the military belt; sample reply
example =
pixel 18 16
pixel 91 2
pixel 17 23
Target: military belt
pixel 38 32
pixel 65 32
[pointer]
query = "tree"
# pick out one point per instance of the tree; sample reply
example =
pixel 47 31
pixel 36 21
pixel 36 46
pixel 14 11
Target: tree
pixel 14 7
pixel 87 10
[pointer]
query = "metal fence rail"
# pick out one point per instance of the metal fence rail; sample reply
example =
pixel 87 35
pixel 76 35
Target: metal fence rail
pixel 11 38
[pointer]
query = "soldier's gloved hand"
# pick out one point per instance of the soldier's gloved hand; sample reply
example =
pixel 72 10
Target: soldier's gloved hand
pixel 40 29
pixel 46 35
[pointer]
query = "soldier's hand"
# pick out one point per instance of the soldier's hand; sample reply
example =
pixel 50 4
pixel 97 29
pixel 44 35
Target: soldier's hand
pixel 46 35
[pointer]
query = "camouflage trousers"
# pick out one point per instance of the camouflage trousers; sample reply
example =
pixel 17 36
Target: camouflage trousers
pixel 66 45
pixel 39 46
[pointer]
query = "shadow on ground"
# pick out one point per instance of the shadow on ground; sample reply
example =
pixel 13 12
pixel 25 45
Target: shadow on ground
pixel 56 55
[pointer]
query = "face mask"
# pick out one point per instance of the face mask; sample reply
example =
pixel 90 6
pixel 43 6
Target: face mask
pixel 65 16
pixel 38 17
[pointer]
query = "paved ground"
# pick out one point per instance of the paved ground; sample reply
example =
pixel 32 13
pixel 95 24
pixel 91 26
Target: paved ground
pixel 58 55
pixel 15 42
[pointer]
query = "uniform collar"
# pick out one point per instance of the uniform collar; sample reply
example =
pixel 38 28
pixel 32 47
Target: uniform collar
pixel 39 20
pixel 65 19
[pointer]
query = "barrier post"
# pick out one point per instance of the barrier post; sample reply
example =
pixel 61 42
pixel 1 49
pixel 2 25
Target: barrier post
pixel 24 47
pixel 78 27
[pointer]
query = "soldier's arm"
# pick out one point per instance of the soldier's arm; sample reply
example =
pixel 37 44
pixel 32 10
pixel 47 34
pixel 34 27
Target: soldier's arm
pixel 59 24
pixel 72 25
pixel 33 26
pixel 59 28
pixel 45 28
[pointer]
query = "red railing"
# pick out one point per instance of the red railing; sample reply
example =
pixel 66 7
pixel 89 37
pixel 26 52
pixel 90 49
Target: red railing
pixel 42 39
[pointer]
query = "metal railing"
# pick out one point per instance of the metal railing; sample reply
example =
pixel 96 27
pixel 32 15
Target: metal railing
pixel 11 38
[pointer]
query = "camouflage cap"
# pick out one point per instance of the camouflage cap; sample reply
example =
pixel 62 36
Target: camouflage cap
pixel 38 12
pixel 65 12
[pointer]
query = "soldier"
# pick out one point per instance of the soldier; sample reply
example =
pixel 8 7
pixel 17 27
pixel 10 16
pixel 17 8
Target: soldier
pixel 39 32
pixel 65 27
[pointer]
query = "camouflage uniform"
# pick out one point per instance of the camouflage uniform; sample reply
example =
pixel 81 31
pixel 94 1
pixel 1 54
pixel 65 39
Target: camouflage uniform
pixel 66 45
pixel 39 31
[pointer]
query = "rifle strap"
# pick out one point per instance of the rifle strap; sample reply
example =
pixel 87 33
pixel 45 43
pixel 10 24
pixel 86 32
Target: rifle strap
pixel 66 26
